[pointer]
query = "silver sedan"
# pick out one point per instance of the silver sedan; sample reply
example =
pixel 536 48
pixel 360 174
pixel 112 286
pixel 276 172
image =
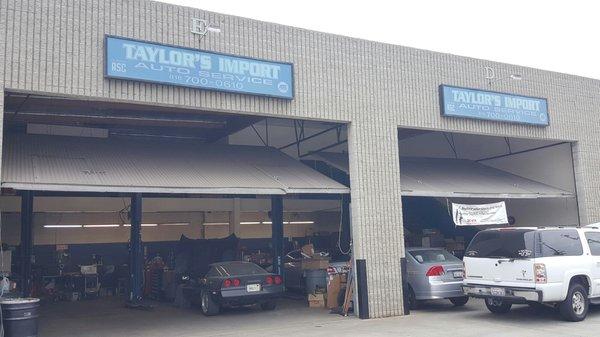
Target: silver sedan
pixel 434 273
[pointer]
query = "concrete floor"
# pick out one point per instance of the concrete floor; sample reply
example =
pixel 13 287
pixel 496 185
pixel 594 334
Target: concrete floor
pixel 108 318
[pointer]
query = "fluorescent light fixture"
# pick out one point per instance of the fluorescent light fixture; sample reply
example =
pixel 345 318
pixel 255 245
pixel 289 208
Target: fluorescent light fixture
pixel 216 224
pixel 143 225
pixel 175 224
pixel 62 226
pixel 101 226
pixel 267 222
pixel 250 223
pixel 302 222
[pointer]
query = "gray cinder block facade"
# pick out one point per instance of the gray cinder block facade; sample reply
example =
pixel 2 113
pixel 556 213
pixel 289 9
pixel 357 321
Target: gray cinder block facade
pixel 55 47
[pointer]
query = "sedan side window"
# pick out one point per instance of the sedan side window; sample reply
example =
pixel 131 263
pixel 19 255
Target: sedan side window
pixel 593 240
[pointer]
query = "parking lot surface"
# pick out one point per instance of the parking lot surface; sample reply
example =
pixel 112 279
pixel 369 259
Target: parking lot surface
pixel 108 318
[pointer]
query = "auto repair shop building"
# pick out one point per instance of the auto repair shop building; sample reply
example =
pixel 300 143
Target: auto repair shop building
pixel 418 123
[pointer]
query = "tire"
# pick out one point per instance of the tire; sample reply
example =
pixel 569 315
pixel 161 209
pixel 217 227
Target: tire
pixel 413 303
pixel 575 307
pixel 497 306
pixel 269 305
pixel 208 305
pixel 459 301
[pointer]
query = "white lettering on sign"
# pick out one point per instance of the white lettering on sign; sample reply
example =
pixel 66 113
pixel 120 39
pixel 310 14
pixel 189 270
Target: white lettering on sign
pixel 160 55
pixel 521 103
pixel 242 67
pixel 477 98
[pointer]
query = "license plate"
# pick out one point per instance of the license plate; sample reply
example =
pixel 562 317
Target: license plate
pixel 497 291
pixel 458 274
pixel 253 288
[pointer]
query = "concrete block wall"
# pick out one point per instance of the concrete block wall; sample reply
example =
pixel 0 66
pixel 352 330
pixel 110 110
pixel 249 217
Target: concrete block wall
pixel 56 47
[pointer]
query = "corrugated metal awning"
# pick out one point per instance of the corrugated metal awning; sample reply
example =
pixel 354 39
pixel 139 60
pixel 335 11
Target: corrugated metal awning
pixel 73 164
pixel 459 178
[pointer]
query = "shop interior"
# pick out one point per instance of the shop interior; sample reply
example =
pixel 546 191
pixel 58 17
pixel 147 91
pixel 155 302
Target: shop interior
pixel 85 185
pixel 535 178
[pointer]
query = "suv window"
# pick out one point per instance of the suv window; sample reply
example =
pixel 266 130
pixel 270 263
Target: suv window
pixel 505 243
pixel 558 243
pixel 593 239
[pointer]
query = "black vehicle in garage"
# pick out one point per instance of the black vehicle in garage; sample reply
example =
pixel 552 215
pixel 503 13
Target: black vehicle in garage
pixel 236 283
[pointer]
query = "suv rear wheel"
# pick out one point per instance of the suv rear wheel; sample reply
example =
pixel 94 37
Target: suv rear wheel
pixel 575 307
pixel 497 305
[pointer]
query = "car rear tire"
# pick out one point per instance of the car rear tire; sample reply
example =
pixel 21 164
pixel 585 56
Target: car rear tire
pixel 267 306
pixel 209 306
pixel 575 307
pixel 459 301
pixel 497 306
pixel 413 303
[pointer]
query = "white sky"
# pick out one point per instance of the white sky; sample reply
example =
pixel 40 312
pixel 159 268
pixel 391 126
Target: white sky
pixel 562 36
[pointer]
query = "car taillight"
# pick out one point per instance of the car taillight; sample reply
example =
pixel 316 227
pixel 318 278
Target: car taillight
pixel 236 282
pixel 539 270
pixel 269 280
pixel 227 283
pixel 278 279
pixel 435 271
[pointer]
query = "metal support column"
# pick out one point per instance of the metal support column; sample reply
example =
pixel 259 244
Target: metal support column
pixel 277 233
pixel 345 239
pixel 136 257
pixel 26 242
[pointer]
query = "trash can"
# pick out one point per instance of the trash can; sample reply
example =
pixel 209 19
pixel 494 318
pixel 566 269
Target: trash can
pixel 20 316
pixel 315 278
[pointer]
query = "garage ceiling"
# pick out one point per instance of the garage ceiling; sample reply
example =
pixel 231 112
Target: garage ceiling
pixel 76 164
pixel 443 177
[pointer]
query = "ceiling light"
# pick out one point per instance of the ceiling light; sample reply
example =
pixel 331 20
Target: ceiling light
pixel 101 226
pixel 216 224
pixel 302 222
pixel 62 226
pixel 143 225
pixel 175 224
pixel 267 222
pixel 250 223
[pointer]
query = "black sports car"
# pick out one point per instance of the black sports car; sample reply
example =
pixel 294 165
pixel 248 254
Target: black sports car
pixel 237 283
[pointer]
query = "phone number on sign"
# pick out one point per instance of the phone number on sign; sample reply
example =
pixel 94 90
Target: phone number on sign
pixel 220 80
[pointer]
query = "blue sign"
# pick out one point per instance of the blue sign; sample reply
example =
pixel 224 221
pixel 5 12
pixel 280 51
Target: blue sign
pixel 150 62
pixel 494 106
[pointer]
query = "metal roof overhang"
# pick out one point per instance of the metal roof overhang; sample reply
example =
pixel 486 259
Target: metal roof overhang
pixel 119 165
pixel 458 178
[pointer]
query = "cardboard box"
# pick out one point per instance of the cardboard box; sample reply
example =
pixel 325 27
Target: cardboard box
pixel 308 249
pixel 317 300
pixel 322 263
pixel 334 285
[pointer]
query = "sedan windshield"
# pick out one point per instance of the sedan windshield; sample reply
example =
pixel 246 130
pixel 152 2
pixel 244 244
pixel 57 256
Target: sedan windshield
pixel 433 256
pixel 240 268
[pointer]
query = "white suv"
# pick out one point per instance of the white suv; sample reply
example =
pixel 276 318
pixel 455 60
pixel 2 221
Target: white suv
pixel 558 266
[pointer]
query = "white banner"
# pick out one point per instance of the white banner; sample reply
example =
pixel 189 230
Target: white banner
pixel 479 215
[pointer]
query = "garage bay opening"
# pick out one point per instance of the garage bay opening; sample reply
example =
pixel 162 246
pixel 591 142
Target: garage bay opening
pixel 454 185
pixel 109 205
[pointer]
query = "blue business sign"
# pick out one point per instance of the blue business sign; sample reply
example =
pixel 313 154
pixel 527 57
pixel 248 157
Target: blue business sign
pixel 150 62
pixel 494 106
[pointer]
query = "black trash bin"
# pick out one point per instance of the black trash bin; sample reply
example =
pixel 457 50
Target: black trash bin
pixel 20 316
